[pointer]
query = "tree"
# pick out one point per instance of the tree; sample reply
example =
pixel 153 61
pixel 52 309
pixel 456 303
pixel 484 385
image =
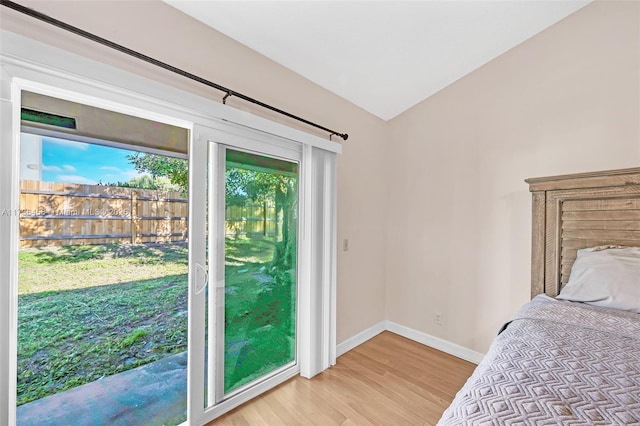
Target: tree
pixel 175 169
pixel 242 183
pixel 160 183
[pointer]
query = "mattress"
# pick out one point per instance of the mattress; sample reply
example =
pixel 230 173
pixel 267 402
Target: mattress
pixel 556 362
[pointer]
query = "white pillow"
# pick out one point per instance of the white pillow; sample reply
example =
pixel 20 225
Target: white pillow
pixel 605 277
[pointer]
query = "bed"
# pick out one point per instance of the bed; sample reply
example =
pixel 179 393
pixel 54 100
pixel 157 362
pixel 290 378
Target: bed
pixel 572 354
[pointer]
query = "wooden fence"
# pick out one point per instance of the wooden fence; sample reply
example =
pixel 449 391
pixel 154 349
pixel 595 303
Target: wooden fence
pixel 251 220
pixel 53 214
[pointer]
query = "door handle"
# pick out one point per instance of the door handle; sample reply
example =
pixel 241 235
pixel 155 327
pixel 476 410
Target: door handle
pixel 202 277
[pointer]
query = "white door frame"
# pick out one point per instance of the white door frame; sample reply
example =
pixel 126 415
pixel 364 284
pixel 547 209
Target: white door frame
pixel 34 66
pixel 217 142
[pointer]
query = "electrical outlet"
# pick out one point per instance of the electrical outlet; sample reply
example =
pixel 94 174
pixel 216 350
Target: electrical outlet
pixel 345 245
pixel 437 318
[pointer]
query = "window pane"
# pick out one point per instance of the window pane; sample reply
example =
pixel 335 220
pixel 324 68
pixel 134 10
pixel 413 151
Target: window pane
pixel 260 266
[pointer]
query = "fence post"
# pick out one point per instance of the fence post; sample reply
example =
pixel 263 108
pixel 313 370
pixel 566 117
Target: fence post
pixel 134 217
pixel 264 218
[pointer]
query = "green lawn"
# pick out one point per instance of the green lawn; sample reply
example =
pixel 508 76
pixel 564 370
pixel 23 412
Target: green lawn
pixel 86 312
pixel 259 312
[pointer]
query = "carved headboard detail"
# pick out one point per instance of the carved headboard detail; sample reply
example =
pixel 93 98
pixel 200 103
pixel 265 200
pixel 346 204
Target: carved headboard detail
pixel 576 211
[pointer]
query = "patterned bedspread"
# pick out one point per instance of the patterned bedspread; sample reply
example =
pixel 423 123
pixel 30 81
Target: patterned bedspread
pixel 556 362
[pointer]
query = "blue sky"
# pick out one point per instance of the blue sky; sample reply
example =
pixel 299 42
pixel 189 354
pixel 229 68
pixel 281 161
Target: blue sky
pixel 76 162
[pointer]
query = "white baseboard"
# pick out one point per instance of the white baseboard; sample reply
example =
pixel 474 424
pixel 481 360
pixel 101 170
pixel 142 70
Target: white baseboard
pixel 435 342
pixel 415 335
pixel 360 338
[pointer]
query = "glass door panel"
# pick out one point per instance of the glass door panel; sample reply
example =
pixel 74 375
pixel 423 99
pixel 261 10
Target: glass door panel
pixel 102 287
pixel 257 335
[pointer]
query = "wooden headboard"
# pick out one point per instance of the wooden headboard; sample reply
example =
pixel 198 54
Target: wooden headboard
pixel 572 212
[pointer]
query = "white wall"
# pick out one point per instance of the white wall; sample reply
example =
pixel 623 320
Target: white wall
pixel 458 235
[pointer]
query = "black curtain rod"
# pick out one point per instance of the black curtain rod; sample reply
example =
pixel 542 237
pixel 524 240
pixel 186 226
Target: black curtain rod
pixel 126 50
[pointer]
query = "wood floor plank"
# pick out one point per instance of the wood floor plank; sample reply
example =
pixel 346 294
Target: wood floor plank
pixel 386 380
pixel 418 371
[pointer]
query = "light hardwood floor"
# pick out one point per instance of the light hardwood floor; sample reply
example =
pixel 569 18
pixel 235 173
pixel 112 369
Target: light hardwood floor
pixel 389 380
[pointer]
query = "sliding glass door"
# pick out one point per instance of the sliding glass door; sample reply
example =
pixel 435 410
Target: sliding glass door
pixel 248 313
pixel 258 334
pixel 254 276
pixel 102 268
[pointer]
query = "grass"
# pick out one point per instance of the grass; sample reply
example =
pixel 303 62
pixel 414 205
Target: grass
pixel 87 312
pixel 259 312
pixel 81 267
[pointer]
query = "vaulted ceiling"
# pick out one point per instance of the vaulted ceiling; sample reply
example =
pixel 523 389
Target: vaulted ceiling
pixel 384 56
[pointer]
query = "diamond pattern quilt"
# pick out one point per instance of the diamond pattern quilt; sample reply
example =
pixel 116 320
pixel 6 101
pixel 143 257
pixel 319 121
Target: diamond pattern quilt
pixel 555 363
